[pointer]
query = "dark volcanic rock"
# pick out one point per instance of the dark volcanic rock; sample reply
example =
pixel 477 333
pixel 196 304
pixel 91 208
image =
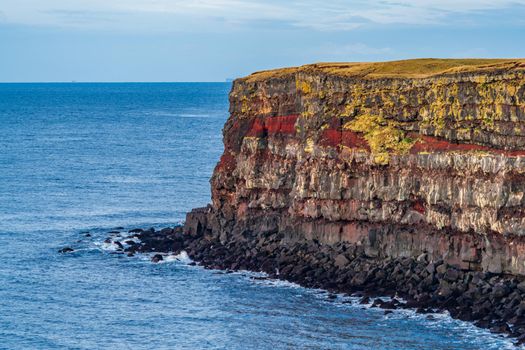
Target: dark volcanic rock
pixel 493 301
pixel 156 258
pixel 375 180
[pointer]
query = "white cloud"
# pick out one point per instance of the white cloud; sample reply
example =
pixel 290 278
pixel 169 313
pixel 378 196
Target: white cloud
pixel 175 14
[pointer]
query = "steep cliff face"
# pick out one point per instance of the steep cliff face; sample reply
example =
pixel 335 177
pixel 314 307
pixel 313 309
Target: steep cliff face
pixel 394 159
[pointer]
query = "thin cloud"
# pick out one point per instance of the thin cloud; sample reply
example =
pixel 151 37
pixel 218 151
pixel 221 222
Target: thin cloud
pixel 81 17
pixel 337 15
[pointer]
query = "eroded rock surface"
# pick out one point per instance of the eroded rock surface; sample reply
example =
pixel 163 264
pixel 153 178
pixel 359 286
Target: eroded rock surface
pixel 399 178
pixel 401 164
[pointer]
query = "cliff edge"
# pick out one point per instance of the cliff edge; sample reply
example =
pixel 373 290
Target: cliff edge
pixel 395 159
pixel 403 179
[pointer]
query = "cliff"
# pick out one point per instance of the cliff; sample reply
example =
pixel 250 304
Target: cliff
pixel 393 159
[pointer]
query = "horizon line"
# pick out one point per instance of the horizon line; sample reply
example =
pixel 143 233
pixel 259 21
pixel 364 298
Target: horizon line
pixel 115 82
pixel 112 82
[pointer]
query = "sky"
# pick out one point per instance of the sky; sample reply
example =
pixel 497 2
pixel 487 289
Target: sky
pixel 215 40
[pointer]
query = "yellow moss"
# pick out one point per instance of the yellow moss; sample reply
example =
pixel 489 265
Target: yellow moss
pixel 245 107
pixel 382 158
pixel 487 121
pixel 266 108
pixel 481 153
pixel 309 148
pixel 348 111
pixel 364 123
pixel 303 86
pixel 466 107
pixel 383 137
pixel 307 114
pixel 512 90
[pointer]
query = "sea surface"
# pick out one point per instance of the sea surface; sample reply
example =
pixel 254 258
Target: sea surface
pixel 94 157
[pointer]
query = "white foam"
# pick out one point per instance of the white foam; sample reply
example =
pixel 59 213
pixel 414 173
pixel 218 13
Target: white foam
pixel 182 257
pixel 126 239
pixel 278 283
pixel 261 278
pixel 443 320
pixel 108 246
pixel 438 320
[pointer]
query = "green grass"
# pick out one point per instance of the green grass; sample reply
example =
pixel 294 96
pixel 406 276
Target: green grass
pixel 415 68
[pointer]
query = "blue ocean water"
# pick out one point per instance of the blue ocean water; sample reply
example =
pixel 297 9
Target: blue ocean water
pixel 92 157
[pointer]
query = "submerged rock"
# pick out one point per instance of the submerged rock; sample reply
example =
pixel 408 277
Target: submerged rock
pixel 66 250
pixel 157 258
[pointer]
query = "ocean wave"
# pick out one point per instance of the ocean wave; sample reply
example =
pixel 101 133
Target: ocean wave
pixel 182 257
pixel 276 283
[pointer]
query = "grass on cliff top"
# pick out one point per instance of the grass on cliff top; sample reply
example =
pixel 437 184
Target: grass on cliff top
pixel 415 68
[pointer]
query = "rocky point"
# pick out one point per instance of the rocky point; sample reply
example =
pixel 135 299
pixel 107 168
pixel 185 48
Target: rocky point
pixel 399 178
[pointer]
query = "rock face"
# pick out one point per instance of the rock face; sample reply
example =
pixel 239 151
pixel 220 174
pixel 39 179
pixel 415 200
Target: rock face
pixel 397 159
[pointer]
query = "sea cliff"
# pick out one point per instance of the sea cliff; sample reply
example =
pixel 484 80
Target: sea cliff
pixel 397 159
pixel 399 178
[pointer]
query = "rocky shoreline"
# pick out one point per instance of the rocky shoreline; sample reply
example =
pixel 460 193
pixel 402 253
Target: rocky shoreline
pixel 373 185
pixel 491 301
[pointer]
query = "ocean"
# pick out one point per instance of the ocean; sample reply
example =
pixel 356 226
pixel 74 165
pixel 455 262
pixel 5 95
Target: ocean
pixel 78 158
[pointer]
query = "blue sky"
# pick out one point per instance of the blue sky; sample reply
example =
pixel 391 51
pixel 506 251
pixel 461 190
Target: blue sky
pixel 212 40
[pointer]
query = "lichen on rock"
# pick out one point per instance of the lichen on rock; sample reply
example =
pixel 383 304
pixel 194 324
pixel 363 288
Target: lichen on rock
pixel 384 137
pixel 438 145
pixel 382 162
